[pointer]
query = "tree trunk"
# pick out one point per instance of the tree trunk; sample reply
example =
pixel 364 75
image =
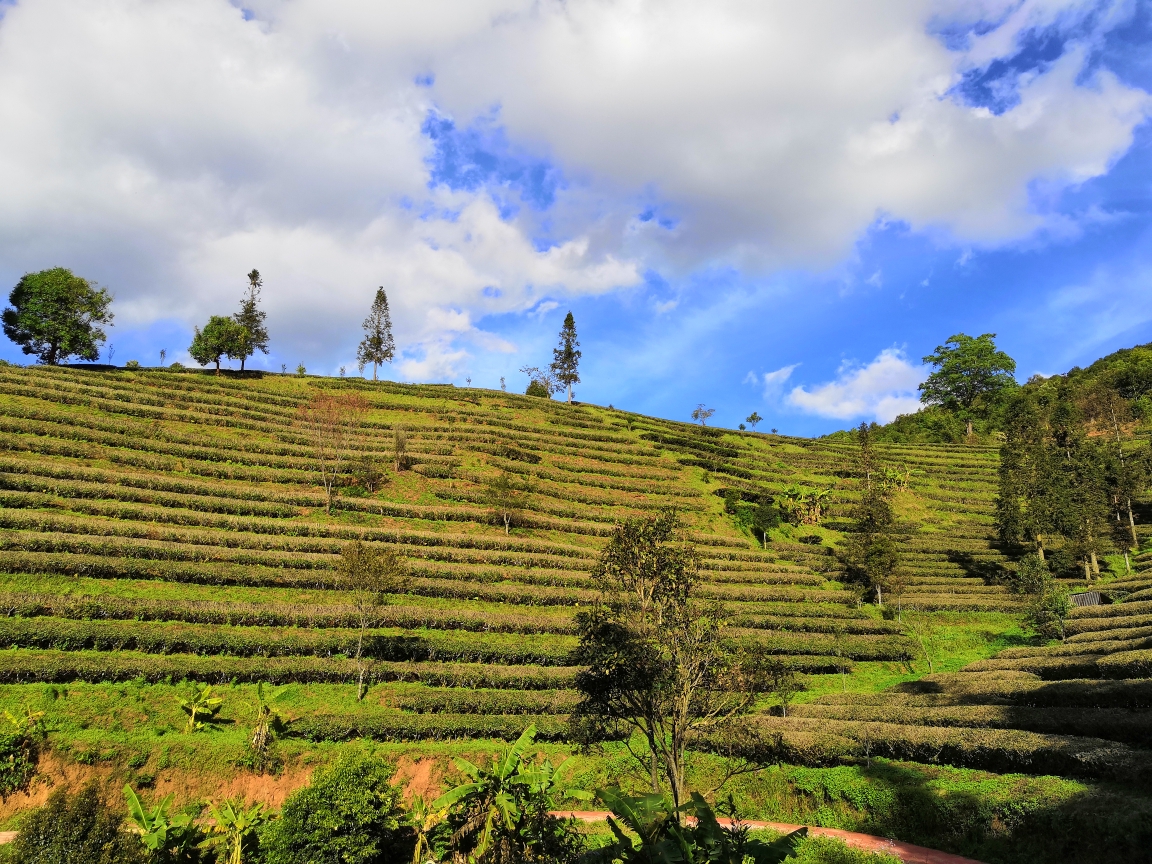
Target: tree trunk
pixel 1132 526
pixel 969 433
pixel 1040 547
pixel 1087 570
pixel 242 359
pixel 1095 565
pixel 374 365
pixel 655 767
pixel 506 524
pixel 217 365
pixel 1127 564
pixel 879 596
pixel 569 394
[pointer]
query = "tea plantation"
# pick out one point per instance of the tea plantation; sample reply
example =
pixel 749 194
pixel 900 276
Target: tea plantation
pixel 164 527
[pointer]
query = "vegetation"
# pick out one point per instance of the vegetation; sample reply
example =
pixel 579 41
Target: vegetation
pixel 377 347
pixel 251 320
pixel 566 357
pixel 166 529
pixel 221 337
pixel 55 315
pixel 77 827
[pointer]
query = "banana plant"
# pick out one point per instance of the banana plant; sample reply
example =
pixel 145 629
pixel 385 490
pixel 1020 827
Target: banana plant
pixel 200 704
pixel 422 819
pixel 267 720
pixel 170 838
pixel 233 824
pixel 491 797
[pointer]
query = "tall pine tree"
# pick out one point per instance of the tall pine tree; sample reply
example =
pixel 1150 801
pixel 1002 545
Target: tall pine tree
pixel 377 346
pixel 566 356
pixel 251 318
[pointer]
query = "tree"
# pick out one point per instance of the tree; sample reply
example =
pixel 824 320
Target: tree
pixel 265 727
pixel 566 356
pixel 377 346
pixel 366 574
pixel 969 374
pixel 657 662
pixel 765 517
pixel 220 337
pixel 56 315
pixel 782 682
pixel 701 414
pixel 70 829
pixel 251 317
pixel 331 421
pixel 541 382
pixel 503 498
pixel 349 813
pixel 871 556
pixel 752 419
pixel 233 832
pixel 399 447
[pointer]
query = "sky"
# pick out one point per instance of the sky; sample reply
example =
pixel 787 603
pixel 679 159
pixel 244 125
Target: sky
pixel 755 206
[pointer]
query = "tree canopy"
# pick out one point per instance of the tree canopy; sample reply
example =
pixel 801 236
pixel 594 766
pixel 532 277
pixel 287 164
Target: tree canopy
pixel 969 372
pixel 566 356
pixel 377 347
pixel 221 337
pixel 251 317
pixel 55 314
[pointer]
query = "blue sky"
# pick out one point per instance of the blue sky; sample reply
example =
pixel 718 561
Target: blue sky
pixel 756 209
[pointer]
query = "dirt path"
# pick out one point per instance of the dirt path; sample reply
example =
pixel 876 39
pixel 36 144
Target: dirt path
pixel 906 852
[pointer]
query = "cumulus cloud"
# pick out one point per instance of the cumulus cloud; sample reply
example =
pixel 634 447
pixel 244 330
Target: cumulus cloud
pixel 772 382
pixel 166 149
pixel 880 390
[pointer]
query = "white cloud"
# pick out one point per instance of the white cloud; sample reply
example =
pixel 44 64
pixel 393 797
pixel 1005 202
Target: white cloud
pixel 880 390
pixel 774 381
pixel 165 149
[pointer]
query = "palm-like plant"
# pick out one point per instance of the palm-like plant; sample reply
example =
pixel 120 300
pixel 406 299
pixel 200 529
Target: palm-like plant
pixel 168 838
pixel 201 703
pixel 234 824
pixel 490 797
pixel 267 720
pixel 422 819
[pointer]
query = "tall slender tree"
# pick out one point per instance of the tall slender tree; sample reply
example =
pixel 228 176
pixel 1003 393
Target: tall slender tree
pixel 377 346
pixel 566 356
pixel 251 317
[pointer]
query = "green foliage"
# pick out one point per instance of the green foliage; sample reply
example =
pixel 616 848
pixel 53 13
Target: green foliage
pixel 657 834
pixel 56 315
pixel 871 557
pixel 349 813
pixel 251 319
pixel 20 738
pixel 537 388
pixel 501 813
pixel 234 830
pixel 970 374
pixel 377 347
pixel 169 839
pixel 221 337
pixel 566 356
pixel 70 829
pixel 200 703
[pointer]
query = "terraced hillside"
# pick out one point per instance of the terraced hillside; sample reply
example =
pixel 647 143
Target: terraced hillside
pixel 160 526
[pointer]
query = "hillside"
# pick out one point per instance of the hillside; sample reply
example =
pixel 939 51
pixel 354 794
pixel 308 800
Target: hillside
pixel 159 526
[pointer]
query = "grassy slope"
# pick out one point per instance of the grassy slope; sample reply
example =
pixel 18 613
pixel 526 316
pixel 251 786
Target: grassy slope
pixel 148 510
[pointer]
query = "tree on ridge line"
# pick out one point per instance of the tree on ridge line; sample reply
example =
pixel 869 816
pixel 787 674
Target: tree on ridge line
pixel 56 315
pixel 377 347
pixel 251 317
pixel 566 356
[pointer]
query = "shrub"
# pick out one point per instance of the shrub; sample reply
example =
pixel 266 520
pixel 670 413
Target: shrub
pixel 349 813
pixel 70 829
pixel 132 364
pixel 537 388
pixel 19 751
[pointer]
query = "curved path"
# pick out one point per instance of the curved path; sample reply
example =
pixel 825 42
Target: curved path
pixel 906 852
